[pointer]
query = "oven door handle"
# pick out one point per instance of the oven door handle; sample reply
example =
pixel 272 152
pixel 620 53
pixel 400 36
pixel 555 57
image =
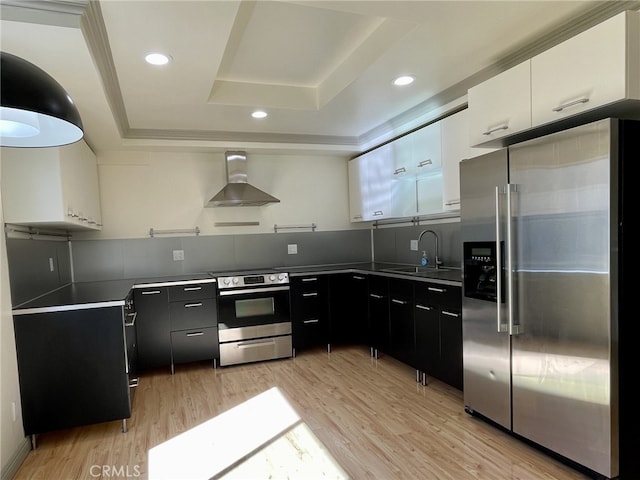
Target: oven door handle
pixel 252 290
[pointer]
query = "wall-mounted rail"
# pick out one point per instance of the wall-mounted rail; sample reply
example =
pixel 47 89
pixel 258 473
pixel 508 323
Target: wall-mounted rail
pixel 311 226
pixel 153 232
pixel 13 231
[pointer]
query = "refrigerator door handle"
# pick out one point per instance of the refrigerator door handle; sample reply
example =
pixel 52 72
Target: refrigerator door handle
pixel 501 328
pixel 514 327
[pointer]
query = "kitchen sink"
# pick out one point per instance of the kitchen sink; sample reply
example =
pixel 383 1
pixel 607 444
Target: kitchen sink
pixel 415 269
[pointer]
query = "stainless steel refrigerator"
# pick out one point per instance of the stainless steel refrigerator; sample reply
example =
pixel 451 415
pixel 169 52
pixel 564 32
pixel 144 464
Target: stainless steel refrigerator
pixel 540 226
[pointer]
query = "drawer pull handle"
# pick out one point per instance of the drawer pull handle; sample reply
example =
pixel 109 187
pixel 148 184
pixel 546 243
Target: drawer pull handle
pixel 192 289
pixel 195 334
pixel 425 162
pixel 451 314
pixel 375 295
pixel 191 305
pixel 378 213
pixel 424 307
pixel 134 382
pixel 311 294
pixel 151 292
pixel 359 277
pixel 401 302
pixel 313 320
pixel 572 103
pixel 133 320
pixel 310 279
pixel 439 290
pixel 261 343
pixel 495 129
pixel 400 170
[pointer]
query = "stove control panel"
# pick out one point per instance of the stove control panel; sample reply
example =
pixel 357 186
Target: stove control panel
pixel 278 278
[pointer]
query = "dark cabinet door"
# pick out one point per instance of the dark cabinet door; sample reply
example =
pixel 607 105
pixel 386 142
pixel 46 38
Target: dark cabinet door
pixel 153 327
pixel 379 314
pixel 451 346
pixel 401 321
pixel 309 311
pixel 349 313
pixel 427 338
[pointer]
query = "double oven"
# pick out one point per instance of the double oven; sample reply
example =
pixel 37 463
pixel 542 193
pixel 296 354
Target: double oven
pixel 254 320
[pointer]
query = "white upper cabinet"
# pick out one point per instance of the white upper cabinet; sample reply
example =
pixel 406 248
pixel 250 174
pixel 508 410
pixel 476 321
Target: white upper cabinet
pixel 599 67
pixel 417 158
pixel 500 106
pixel 595 68
pixel 51 187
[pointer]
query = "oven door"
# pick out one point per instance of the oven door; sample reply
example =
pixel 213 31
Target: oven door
pixel 253 306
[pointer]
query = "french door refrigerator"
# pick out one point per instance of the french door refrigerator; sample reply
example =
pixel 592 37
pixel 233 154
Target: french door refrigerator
pixel 541 227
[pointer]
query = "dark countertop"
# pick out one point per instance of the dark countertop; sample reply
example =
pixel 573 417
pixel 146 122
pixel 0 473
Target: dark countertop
pixel 99 294
pixel 111 293
pixel 448 276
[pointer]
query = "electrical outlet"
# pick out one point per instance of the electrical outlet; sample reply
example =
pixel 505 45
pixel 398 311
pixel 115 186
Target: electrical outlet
pixel 292 249
pixel 414 245
pixel 178 255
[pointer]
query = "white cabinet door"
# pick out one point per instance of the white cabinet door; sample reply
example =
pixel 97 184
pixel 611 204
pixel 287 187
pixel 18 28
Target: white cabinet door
pixel 596 67
pixel 379 167
pixel 428 160
pixel 455 147
pixel 80 185
pixel 500 106
pixel 357 188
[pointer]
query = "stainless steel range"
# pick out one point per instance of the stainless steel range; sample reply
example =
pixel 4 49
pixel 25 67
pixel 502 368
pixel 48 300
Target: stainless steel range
pixel 254 321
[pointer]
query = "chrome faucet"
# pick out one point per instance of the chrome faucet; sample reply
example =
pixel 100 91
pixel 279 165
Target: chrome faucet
pixel 437 261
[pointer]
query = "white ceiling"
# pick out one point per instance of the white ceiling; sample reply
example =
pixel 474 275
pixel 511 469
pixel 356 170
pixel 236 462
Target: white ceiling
pixel 321 69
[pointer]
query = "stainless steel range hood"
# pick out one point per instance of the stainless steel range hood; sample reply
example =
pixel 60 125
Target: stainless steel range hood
pixel 237 192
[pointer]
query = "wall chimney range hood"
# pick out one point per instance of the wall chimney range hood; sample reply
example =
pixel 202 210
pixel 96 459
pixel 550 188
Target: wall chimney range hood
pixel 238 192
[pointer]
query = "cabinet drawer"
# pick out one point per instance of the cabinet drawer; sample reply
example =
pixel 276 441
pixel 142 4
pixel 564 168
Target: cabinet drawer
pixel 193 314
pixel 194 345
pixel 438 294
pixel 183 293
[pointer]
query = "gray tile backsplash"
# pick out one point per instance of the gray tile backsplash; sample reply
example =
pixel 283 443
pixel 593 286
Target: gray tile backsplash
pixel 92 260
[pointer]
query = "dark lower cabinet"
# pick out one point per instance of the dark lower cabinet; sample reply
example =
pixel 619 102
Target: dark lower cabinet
pixel 193 319
pixel 309 311
pixel 176 324
pixel 379 314
pixel 153 327
pixel 438 320
pixel 401 322
pixel 72 367
pixel 349 301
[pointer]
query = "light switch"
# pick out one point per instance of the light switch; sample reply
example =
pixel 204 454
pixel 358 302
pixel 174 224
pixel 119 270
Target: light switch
pixel 414 245
pixel 292 249
pixel 178 255
pixel 51 266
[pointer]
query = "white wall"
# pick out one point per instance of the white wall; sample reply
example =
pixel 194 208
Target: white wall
pixel 11 432
pixel 168 190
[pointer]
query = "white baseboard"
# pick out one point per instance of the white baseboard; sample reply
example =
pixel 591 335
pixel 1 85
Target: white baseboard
pixel 11 468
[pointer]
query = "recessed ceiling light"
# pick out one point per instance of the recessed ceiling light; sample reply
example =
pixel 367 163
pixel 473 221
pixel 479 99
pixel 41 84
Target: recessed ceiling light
pixel 403 80
pixel 259 114
pixel 157 59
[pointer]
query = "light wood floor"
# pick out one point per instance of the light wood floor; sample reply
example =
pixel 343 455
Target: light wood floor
pixel 371 415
